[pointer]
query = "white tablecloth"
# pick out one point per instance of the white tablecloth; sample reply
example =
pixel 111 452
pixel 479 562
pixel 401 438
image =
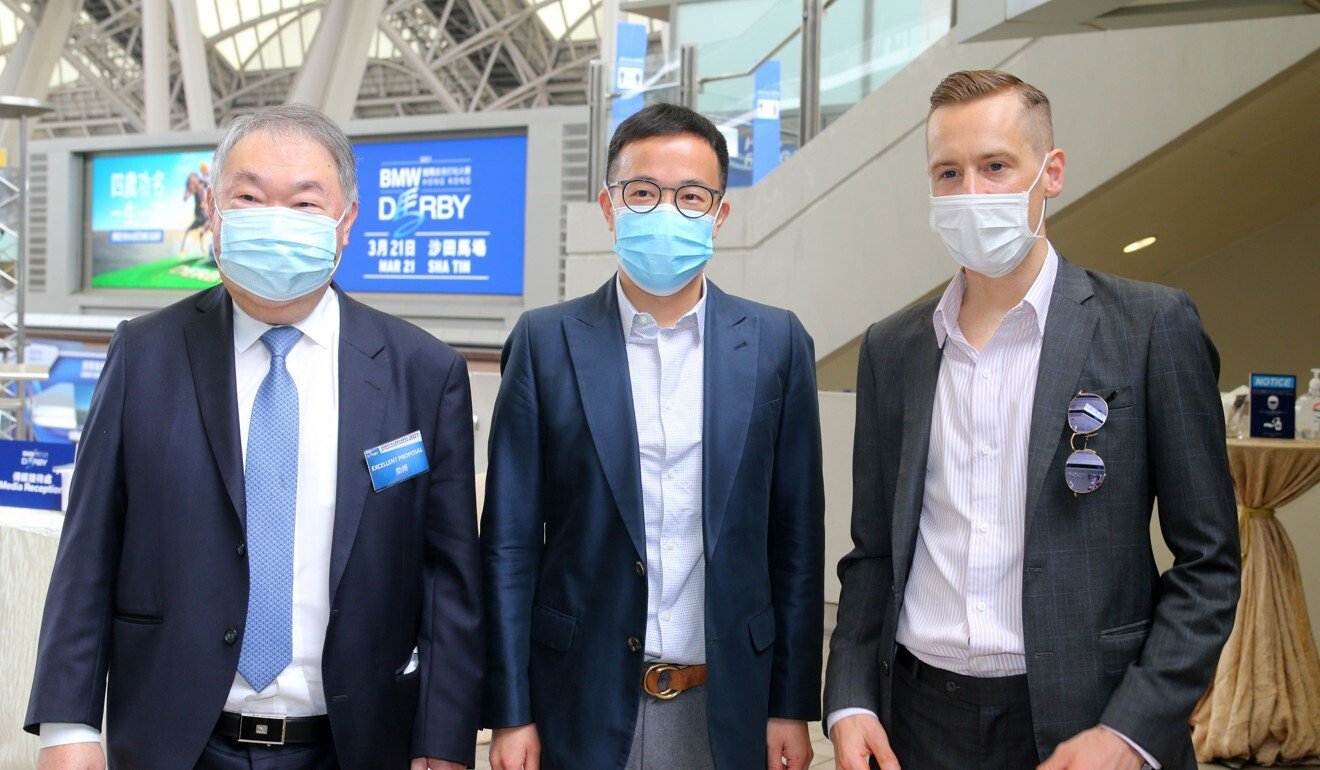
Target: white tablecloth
pixel 28 540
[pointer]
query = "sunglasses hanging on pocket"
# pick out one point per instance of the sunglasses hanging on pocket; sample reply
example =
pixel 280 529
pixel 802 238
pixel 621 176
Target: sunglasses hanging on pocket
pixel 1084 471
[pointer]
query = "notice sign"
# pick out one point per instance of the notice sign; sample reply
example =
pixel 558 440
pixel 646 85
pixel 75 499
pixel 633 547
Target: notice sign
pixel 27 473
pixel 443 216
pixel 1273 397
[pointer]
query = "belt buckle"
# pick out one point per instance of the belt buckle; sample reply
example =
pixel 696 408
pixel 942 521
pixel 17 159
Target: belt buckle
pixel 262 729
pixel 668 693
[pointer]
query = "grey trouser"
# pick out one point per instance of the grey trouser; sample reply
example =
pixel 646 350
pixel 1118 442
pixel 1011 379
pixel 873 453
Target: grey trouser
pixel 672 734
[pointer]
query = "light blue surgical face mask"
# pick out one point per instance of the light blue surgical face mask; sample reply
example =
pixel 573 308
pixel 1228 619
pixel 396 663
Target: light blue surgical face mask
pixel 662 250
pixel 277 253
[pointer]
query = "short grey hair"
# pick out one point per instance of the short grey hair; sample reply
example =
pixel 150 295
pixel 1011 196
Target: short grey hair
pixel 296 120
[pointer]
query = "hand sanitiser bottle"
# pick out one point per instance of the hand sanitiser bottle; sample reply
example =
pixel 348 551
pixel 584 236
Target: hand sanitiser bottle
pixel 1308 409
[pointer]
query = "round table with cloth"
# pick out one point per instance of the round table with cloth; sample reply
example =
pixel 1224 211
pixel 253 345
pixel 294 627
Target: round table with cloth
pixel 1264 703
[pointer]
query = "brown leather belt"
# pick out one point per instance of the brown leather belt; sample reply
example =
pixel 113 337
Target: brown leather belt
pixel 666 680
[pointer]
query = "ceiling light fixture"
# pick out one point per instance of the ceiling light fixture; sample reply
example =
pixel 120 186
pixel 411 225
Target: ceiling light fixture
pixel 1139 245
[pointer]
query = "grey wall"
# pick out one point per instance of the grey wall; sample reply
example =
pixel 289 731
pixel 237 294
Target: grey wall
pixel 1260 300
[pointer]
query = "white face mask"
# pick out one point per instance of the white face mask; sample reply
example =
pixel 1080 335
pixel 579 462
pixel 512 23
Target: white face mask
pixel 987 234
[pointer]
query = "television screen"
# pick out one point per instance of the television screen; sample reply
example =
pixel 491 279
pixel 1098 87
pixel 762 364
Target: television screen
pixel 436 216
pixel 441 216
pixel 148 221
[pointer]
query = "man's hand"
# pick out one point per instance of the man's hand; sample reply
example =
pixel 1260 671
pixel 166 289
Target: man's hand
pixel 72 756
pixel 787 739
pixel 426 763
pixel 858 738
pixel 1095 749
pixel 515 748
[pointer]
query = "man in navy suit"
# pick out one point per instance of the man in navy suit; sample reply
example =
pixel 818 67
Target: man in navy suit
pixel 261 593
pixel 653 535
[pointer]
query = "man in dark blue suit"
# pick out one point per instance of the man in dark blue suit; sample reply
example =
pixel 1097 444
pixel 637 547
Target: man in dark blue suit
pixel 653 534
pixel 261 593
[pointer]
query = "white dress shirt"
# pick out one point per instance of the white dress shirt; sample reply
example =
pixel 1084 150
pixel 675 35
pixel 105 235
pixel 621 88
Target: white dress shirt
pixel 314 364
pixel 962 607
pixel 667 368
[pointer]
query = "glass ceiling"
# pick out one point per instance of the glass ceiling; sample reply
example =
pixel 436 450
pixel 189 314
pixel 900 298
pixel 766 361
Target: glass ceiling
pixel 272 35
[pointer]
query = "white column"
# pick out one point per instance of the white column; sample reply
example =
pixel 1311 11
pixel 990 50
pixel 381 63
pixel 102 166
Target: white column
pixel 309 84
pixel 350 60
pixel 30 66
pixel 192 64
pixel 156 65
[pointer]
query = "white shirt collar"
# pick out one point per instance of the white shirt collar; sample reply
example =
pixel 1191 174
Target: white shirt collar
pixel 1036 301
pixel 627 312
pixel 319 326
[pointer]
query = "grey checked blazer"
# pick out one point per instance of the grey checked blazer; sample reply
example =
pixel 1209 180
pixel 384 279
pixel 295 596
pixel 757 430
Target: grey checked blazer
pixel 1108 638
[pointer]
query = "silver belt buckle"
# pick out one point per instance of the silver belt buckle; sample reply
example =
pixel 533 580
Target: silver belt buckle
pixel 261 729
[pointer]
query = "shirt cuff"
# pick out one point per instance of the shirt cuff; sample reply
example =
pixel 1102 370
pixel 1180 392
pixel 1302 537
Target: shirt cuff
pixel 1150 761
pixel 834 716
pixel 62 733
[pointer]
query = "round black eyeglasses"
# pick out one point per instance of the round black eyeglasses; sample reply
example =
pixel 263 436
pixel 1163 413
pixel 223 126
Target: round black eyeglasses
pixel 642 196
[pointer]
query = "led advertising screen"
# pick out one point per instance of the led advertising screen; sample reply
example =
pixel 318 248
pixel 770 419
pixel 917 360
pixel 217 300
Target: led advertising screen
pixel 437 216
pixel 443 216
pixel 148 221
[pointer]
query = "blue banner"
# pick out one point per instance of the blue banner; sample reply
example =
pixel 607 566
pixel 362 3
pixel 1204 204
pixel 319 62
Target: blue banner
pixel 765 120
pixel 28 478
pixel 629 72
pixel 444 216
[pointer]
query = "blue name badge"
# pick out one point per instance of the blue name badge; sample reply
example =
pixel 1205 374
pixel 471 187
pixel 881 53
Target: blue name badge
pixel 397 460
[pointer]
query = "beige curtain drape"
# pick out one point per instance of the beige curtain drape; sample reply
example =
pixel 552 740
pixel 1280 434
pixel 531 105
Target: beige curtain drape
pixel 1264 703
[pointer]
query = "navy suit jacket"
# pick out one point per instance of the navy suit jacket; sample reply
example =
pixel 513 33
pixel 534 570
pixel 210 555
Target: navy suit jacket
pixel 563 539
pixel 150 574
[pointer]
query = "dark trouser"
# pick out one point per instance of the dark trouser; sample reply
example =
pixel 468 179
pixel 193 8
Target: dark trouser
pixel 943 721
pixel 229 754
pixel 672 734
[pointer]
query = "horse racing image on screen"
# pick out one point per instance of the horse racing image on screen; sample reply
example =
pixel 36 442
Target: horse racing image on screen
pixel 149 228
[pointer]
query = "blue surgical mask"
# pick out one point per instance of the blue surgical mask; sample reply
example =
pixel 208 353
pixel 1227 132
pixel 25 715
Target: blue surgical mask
pixel 662 251
pixel 277 253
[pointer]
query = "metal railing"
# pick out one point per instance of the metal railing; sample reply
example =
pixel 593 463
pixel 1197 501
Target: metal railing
pixel 847 48
pixel 14 225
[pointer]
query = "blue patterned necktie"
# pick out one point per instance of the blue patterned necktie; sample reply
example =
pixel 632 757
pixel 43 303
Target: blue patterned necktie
pixel 271 478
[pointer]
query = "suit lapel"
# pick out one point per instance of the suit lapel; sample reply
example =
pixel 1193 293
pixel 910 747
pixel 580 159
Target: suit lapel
pixel 210 342
pixel 921 374
pixel 1069 329
pixel 600 363
pixel 364 387
pixel 731 358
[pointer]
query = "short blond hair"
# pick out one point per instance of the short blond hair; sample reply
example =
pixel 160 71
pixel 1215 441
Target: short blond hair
pixel 970 85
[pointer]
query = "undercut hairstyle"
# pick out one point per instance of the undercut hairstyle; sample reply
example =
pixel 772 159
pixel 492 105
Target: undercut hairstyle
pixel 286 120
pixel 667 120
pixel 970 85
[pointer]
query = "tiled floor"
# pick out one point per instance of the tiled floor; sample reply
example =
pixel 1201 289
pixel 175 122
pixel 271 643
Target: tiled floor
pixel 824 754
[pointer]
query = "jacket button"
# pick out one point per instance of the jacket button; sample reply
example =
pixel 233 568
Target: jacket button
pixel 242 549
pixel 641 568
pixel 884 667
pixel 634 645
pixel 231 636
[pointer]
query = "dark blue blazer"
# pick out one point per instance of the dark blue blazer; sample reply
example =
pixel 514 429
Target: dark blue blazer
pixel 563 539
pixel 151 572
